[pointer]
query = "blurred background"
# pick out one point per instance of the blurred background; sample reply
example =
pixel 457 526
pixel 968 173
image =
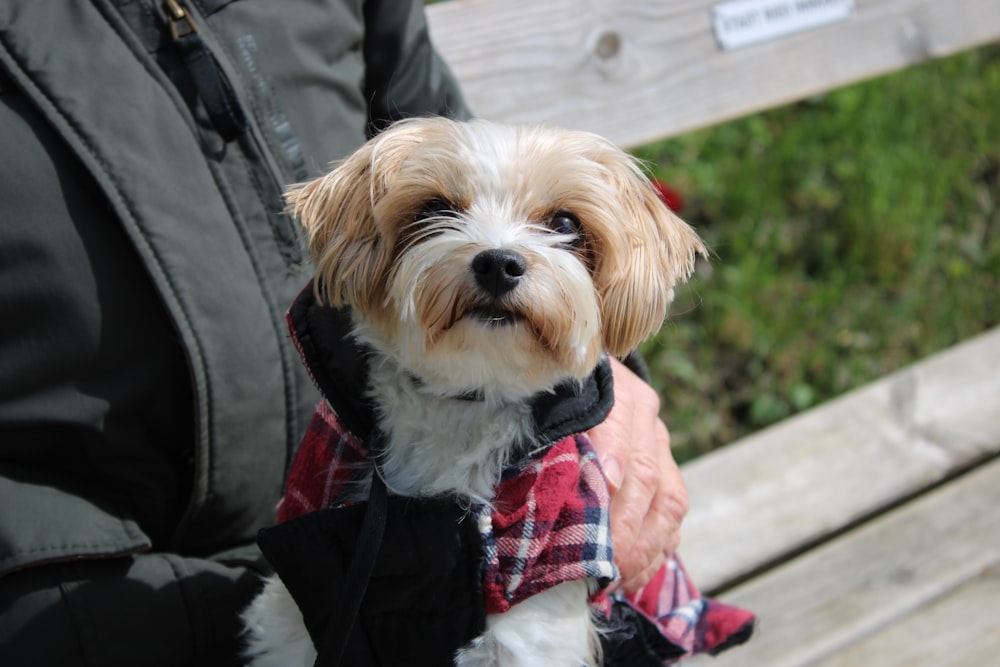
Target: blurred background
pixel 852 234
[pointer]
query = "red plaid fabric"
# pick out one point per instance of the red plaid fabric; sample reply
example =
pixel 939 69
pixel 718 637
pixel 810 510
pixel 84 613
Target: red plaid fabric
pixel 549 523
pixel 328 458
pixel 689 621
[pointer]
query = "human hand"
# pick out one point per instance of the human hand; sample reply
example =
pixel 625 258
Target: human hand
pixel 648 496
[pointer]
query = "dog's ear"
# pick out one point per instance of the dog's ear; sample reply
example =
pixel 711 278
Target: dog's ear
pixel 337 213
pixel 636 275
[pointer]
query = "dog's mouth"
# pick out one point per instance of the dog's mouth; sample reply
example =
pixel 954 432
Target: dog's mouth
pixel 495 316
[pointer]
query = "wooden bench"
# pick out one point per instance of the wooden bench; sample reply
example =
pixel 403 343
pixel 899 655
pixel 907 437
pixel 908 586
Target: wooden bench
pixel 640 70
pixel 865 532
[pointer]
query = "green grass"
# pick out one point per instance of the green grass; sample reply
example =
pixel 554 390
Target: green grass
pixel 852 234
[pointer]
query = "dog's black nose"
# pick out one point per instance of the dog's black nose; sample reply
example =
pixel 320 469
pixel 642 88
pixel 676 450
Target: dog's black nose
pixel 498 271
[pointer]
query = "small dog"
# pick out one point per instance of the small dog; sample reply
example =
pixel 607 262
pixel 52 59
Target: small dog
pixel 493 262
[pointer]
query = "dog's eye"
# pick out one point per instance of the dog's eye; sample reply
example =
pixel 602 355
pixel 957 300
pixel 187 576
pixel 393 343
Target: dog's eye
pixel 436 207
pixel 564 222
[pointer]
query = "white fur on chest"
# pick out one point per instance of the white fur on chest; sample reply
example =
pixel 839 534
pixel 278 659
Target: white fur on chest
pixel 439 445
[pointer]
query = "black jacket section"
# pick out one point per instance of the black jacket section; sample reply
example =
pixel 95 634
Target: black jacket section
pixel 335 361
pixel 401 73
pixel 633 641
pixel 424 600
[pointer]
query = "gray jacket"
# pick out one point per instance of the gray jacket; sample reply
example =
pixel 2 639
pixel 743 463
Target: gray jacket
pixel 149 395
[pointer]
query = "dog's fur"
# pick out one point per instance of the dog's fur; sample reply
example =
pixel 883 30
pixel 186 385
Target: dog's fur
pixel 584 261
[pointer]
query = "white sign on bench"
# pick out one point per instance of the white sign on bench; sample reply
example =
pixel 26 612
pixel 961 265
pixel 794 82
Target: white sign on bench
pixel 745 22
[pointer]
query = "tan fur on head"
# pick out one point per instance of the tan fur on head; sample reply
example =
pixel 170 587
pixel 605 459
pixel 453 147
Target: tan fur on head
pixel 645 250
pixel 378 250
pixel 337 213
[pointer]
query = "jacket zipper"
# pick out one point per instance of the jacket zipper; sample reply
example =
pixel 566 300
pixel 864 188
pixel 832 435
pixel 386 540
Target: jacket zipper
pixel 225 107
pixel 213 86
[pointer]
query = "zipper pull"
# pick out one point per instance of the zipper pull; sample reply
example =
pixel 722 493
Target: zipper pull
pixel 181 23
pixel 209 79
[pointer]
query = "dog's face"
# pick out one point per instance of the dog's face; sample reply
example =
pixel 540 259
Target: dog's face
pixel 487 256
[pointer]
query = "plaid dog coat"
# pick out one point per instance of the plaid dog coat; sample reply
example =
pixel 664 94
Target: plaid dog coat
pixel 549 523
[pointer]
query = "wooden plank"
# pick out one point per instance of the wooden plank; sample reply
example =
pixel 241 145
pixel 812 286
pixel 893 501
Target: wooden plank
pixel 636 71
pixel 791 485
pixel 850 589
pixel 959 631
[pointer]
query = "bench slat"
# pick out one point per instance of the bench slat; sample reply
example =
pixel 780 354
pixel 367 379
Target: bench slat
pixel 881 574
pixel 960 629
pixel 635 71
pixel 789 486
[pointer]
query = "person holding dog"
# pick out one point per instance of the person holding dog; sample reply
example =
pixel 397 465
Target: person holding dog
pixel 150 399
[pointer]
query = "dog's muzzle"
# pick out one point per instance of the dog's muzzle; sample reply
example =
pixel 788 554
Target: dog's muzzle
pixel 497 273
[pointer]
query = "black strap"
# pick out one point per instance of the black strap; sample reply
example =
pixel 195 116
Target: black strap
pixel 338 632
pixel 214 89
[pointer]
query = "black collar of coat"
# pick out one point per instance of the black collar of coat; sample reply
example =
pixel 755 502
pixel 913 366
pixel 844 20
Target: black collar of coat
pixel 338 365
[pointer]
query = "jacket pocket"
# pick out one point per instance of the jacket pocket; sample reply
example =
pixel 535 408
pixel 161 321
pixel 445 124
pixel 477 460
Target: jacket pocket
pixel 42 524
